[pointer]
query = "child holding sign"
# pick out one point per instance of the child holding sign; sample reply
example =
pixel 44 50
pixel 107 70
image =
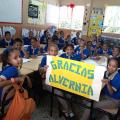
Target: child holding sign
pixel 111 91
pixel 66 110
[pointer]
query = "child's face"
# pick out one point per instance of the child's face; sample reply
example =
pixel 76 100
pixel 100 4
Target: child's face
pixel 14 58
pixel 116 52
pixel 53 51
pixel 31 34
pixel 105 47
pixel 82 44
pixel 69 50
pixel 112 66
pixel 33 42
pixel 8 36
pixel 18 45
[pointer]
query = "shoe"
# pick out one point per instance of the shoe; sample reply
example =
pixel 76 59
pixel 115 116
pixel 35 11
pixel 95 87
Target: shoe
pixel 72 116
pixel 64 114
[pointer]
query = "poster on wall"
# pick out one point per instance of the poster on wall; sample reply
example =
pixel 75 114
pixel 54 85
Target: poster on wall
pixel 37 12
pixel 96 22
pixel 76 77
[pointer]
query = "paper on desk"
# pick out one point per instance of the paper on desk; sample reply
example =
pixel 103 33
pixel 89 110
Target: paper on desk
pixel 26 60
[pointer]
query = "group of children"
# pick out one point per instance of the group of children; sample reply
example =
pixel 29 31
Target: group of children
pixel 76 49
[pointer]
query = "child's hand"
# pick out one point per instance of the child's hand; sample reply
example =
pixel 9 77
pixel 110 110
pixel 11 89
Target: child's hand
pixel 105 81
pixel 45 68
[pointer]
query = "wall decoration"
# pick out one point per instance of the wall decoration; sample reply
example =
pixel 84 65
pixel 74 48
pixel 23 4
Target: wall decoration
pixel 96 21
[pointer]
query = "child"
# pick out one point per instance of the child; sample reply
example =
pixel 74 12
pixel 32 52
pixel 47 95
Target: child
pixel 61 41
pixel 69 53
pixel 10 63
pixel 82 49
pixel 18 44
pixel 75 39
pixel 66 110
pixel 110 96
pixel 104 50
pixel 27 40
pixel 45 37
pixel 33 50
pixel 7 42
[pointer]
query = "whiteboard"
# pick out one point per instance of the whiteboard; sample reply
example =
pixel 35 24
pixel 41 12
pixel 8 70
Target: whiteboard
pixel 11 11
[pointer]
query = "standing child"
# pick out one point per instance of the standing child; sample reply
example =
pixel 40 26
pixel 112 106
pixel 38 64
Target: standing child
pixel 66 110
pixel 34 49
pixel 7 41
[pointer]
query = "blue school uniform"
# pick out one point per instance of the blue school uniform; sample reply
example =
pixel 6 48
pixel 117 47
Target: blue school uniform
pixel 33 51
pixel 115 83
pixel 74 40
pixel 76 57
pixel 7 73
pixel 43 61
pixel 61 42
pixel 22 54
pixel 45 48
pixel 101 51
pixel 4 43
pixel 27 41
pixel 43 40
pixel 86 52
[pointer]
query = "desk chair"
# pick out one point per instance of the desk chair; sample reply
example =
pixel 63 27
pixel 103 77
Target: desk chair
pixel 111 113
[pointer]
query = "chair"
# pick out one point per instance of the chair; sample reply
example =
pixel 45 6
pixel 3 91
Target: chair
pixel 111 113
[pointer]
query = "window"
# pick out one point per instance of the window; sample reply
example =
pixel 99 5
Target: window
pixel 52 15
pixel 112 20
pixel 74 22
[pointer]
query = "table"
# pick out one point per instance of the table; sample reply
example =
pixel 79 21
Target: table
pixel 33 64
pixel 1 50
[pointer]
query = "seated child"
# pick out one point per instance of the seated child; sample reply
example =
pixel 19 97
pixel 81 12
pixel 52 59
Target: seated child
pixel 34 49
pixel 82 49
pixel 104 50
pixel 69 53
pixel 27 40
pixel 110 94
pixel 7 41
pixel 18 44
pixel 66 110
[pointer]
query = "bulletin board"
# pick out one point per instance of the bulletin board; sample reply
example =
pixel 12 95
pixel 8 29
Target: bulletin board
pixel 42 7
pixel 96 22
pixel 11 11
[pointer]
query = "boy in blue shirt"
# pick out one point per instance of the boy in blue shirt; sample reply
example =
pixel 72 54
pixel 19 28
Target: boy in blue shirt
pixel 33 50
pixel 82 49
pixel 75 39
pixel 61 41
pixel 27 40
pixel 8 41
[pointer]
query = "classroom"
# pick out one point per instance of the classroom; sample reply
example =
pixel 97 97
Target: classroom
pixel 59 60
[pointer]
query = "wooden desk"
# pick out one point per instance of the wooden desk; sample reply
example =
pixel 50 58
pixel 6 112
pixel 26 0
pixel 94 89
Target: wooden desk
pixel 33 64
pixel 25 71
pixel 1 50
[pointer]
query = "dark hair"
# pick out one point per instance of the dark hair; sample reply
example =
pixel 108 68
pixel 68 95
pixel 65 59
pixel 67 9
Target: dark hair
pixel 68 45
pixel 5 56
pixel 34 38
pixel 7 32
pixel 18 40
pixel 115 59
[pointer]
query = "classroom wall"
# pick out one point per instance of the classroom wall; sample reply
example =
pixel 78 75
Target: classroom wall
pixel 25 23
